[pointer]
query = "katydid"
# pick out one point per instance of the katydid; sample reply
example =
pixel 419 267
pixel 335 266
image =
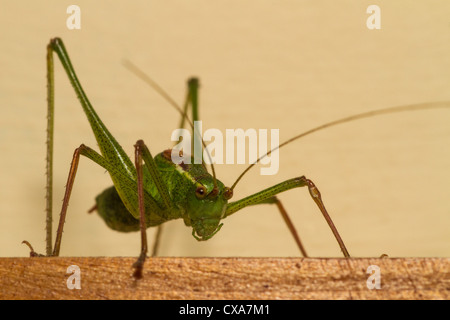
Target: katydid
pixel 153 190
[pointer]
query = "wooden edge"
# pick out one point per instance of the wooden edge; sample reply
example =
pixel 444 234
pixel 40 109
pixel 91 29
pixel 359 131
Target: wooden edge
pixel 225 278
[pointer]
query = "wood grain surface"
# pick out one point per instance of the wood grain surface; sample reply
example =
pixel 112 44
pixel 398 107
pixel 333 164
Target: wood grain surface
pixel 225 278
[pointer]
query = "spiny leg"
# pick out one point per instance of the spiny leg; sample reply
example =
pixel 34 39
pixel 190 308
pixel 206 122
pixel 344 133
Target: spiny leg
pixel 288 221
pixel 97 158
pixel 291 227
pixel 144 154
pixel 113 158
pixel 139 264
pixel 49 158
pixel 264 195
pixel 315 194
pixel 141 151
pixel 62 218
pixel 94 156
pixel 109 147
pixel 68 192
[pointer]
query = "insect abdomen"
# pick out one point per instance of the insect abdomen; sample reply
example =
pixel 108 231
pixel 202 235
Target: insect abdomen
pixel 111 208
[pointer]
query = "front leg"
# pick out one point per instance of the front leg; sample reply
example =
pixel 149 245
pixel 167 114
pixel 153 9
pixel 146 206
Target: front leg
pixel 288 221
pixel 139 264
pixel 264 195
pixel 94 156
pixel 141 154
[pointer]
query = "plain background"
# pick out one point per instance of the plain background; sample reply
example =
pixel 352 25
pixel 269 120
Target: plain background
pixel 288 65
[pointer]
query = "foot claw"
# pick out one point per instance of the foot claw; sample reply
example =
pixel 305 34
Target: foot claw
pixel 139 267
pixel 32 252
pixel 137 274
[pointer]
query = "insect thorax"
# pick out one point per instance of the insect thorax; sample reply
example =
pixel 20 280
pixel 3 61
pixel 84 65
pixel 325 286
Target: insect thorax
pixel 182 181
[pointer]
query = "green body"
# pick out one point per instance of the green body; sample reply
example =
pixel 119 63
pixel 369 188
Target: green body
pixel 154 190
pixel 169 189
pixel 181 181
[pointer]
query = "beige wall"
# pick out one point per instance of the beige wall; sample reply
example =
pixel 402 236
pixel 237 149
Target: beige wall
pixel 289 65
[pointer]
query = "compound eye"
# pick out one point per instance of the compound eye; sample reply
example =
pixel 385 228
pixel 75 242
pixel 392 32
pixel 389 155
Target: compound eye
pixel 200 192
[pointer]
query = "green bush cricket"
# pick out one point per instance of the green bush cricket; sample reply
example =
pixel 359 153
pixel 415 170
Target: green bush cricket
pixel 154 190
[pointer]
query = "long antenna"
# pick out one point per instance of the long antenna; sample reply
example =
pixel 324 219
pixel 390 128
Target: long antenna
pixel 138 72
pixel 412 107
